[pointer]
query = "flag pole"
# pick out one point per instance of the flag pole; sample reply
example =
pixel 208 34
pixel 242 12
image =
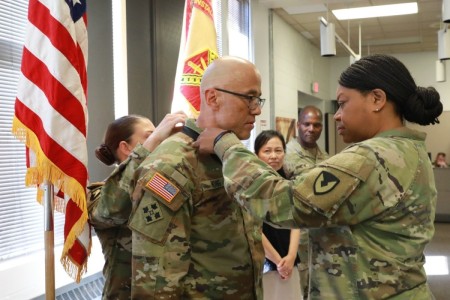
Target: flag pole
pixel 49 242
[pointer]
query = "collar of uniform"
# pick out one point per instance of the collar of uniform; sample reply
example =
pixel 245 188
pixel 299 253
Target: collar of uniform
pixel 190 123
pixel 404 132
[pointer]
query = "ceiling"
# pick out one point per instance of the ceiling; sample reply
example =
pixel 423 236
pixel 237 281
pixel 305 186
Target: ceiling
pixel 396 34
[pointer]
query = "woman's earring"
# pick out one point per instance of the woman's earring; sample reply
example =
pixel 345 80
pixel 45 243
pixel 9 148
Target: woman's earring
pixel 377 110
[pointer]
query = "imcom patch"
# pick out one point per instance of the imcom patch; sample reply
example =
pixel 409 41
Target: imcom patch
pixel 325 183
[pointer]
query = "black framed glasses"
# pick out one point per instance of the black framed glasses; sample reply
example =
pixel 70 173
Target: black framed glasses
pixel 253 101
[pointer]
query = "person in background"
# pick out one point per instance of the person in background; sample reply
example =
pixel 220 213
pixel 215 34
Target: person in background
pixel 309 126
pixel 281 275
pixel 304 150
pixel 440 161
pixel 370 209
pixel 109 218
pixel 190 239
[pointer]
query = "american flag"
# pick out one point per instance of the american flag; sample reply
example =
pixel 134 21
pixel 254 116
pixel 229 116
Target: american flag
pixel 160 185
pixel 51 116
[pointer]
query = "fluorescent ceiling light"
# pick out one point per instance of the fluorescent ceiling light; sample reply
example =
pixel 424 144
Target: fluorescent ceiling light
pixel 304 9
pixel 396 41
pixel 376 11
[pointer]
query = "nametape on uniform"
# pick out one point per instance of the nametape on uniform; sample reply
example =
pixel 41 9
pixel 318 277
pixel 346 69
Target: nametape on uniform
pixel 163 187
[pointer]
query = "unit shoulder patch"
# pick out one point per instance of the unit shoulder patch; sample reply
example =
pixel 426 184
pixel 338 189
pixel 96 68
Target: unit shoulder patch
pixel 152 212
pixel 325 182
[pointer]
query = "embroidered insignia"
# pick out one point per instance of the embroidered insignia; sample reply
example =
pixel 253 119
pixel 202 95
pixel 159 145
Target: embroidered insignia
pixel 152 213
pixel 161 186
pixel 325 183
pixel 193 70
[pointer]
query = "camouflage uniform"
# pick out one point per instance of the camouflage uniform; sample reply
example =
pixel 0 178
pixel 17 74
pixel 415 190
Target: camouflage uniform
pixel 190 240
pixel 109 207
pixel 294 149
pixel 370 212
pixel 295 153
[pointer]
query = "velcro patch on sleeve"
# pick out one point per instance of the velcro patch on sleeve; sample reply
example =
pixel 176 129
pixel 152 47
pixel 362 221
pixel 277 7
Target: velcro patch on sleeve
pixel 163 187
pixel 152 212
pixel 325 183
pixel 325 189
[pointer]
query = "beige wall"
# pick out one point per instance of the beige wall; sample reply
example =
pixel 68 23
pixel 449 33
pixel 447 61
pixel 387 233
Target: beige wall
pixel 438 135
pixel 296 63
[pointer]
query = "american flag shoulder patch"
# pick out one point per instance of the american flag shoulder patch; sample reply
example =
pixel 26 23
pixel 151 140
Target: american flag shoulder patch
pixel 163 187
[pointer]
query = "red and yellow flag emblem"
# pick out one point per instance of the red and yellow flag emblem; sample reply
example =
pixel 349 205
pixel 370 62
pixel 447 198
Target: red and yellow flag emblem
pixel 198 48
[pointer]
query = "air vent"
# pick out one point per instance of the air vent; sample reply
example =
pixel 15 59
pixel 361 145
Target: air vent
pixel 90 288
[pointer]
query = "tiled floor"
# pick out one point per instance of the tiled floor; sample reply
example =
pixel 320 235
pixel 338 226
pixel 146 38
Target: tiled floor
pixel 438 262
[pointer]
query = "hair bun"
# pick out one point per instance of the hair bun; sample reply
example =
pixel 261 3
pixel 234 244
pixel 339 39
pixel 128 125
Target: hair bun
pixel 105 155
pixel 424 106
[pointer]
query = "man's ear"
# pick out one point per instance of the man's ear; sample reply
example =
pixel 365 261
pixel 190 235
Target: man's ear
pixel 212 99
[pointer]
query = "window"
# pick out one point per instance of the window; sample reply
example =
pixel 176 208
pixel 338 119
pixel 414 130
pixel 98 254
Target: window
pixel 21 217
pixel 232 21
pixel 120 58
pixel 238 28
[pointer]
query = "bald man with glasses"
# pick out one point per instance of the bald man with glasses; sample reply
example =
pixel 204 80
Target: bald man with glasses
pixel 190 240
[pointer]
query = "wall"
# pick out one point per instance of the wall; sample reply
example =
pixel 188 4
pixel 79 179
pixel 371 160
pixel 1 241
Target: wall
pixel 153 36
pixel 153 42
pixel 100 82
pixel 297 63
pixel 437 135
pixel 140 54
pixel 420 64
pixel 261 30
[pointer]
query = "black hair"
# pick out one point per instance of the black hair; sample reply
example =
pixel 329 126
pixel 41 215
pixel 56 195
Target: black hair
pixel 265 136
pixel 416 104
pixel 119 130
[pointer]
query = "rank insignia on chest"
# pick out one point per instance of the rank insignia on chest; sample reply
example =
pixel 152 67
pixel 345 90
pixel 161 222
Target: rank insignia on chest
pixel 163 187
pixel 325 183
pixel 152 212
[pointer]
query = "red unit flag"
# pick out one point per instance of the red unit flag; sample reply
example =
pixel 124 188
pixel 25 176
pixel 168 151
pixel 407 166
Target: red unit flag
pixel 198 48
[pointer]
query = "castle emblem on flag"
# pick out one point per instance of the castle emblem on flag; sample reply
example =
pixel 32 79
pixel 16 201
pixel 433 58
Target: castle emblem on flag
pixel 163 187
pixel 193 70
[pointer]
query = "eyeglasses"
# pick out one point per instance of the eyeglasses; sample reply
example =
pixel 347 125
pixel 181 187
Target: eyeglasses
pixel 253 101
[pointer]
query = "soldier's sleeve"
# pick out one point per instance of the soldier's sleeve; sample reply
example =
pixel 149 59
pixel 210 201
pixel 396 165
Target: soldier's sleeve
pixel 294 165
pixel 323 194
pixel 253 184
pixel 112 206
pixel 93 199
pixel 311 199
pixel 161 232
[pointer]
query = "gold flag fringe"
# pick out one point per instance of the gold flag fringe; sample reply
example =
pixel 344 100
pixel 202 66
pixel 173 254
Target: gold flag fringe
pixel 44 171
pixel 72 268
